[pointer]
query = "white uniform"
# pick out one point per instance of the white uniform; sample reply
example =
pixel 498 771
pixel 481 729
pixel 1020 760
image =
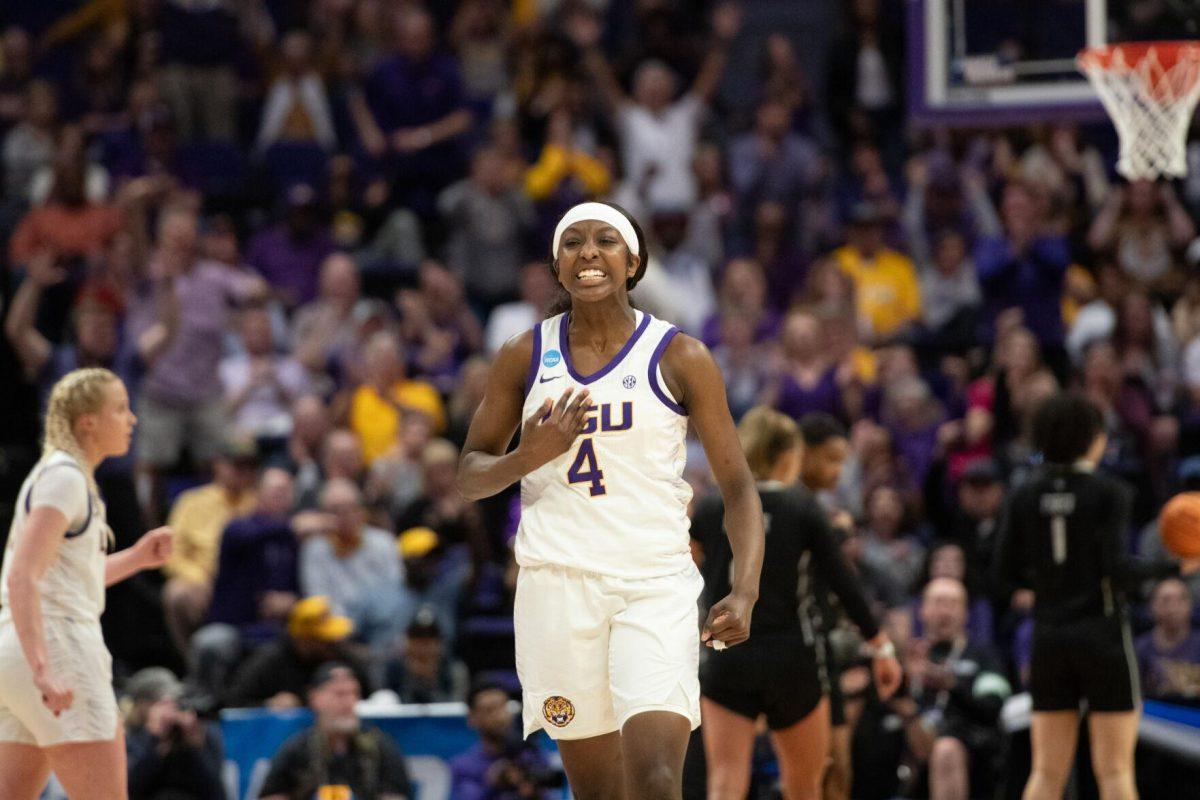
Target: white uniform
pixel 71 592
pixel 605 613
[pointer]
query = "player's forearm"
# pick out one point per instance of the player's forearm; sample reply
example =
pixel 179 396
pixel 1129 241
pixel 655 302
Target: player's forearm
pixel 744 527
pixel 119 566
pixel 26 609
pixel 482 475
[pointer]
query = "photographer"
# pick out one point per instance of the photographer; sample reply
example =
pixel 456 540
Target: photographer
pixel 500 766
pixel 955 693
pixel 172 753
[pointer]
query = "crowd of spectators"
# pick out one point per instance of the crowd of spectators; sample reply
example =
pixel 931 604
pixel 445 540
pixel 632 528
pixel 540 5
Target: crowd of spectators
pixel 298 230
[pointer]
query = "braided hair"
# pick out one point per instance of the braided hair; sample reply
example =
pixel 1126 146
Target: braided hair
pixel 79 392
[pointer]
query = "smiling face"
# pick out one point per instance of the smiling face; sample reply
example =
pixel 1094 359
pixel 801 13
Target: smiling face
pixel 594 262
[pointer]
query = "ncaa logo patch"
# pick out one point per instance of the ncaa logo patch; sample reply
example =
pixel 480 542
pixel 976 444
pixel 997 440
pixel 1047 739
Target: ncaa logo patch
pixel 629 382
pixel 551 358
pixel 558 711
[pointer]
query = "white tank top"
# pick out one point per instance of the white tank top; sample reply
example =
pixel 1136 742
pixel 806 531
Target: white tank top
pixel 616 502
pixel 73 585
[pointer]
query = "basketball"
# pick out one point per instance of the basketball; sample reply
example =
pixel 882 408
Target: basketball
pixel 1180 525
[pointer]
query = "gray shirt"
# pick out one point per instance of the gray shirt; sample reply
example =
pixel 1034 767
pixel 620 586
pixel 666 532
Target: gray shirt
pixel 486 244
pixel 364 584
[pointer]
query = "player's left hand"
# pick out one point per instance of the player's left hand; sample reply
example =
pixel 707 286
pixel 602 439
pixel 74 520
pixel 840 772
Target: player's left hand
pixel 728 621
pixel 154 548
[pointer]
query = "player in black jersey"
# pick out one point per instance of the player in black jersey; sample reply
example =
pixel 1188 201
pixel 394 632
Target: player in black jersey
pixel 775 672
pixel 1062 535
pixel 826 447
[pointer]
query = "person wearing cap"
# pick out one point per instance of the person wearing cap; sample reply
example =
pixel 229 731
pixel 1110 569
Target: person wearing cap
pixel 199 516
pixel 289 253
pixel 278 673
pixel 354 564
pixel 169 749
pixel 95 336
pixel 434 579
pixel 885 281
pixel 337 756
pixel 968 512
pixel 423 671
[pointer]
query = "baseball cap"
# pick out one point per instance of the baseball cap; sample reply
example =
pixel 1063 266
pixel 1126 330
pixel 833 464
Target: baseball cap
pixel 416 542
pixel 327 671
pixel 313 618
pixel 424 625
pixel 95 294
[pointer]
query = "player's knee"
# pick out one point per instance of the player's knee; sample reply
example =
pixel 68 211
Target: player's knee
pixel 948 754
pixel 655 780
pixel 1053 775
pixel 1110 770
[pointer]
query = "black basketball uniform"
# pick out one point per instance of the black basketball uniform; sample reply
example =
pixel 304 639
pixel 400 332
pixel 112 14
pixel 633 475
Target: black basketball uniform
pixel 1063 535
pixel 775 672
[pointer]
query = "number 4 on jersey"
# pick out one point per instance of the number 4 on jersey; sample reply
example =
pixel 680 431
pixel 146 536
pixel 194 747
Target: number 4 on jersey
pixel 585 469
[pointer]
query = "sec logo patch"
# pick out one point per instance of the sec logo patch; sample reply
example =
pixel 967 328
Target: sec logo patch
pixel 558 711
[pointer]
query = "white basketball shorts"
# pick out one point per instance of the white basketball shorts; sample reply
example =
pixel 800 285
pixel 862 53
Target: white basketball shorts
pixel 594 650
pixel 78 658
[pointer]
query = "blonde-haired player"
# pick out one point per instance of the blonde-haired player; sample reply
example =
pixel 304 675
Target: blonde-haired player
pixel 57 708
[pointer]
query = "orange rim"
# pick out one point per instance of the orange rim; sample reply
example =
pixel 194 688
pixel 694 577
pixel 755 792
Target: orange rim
pixel 1169 54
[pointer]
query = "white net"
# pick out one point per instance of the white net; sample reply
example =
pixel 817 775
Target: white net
pixel 1150 93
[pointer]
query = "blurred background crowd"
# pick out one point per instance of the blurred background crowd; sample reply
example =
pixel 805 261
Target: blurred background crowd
pixel 298 228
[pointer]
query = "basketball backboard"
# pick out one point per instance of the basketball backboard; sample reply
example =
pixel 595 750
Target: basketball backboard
pixel 989 62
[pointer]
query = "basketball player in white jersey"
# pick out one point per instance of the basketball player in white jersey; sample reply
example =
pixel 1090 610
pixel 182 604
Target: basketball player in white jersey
pixel 57 708
pixel 607 632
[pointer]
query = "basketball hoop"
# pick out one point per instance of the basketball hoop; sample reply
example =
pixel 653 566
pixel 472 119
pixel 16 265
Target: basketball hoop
pixel 1150 90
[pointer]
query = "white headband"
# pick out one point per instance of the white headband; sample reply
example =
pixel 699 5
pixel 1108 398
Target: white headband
pixel 598 212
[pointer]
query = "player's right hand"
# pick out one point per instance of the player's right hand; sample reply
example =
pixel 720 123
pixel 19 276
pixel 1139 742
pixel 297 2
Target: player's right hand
pixel 888 674
pixel 55 694
pixel 552 429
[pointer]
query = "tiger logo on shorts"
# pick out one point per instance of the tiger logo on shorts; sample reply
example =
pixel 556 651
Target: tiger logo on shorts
pixel 558 711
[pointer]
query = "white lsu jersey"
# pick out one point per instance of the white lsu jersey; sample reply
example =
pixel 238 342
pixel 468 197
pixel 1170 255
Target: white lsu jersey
pixel 72 586
pixel 616 502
